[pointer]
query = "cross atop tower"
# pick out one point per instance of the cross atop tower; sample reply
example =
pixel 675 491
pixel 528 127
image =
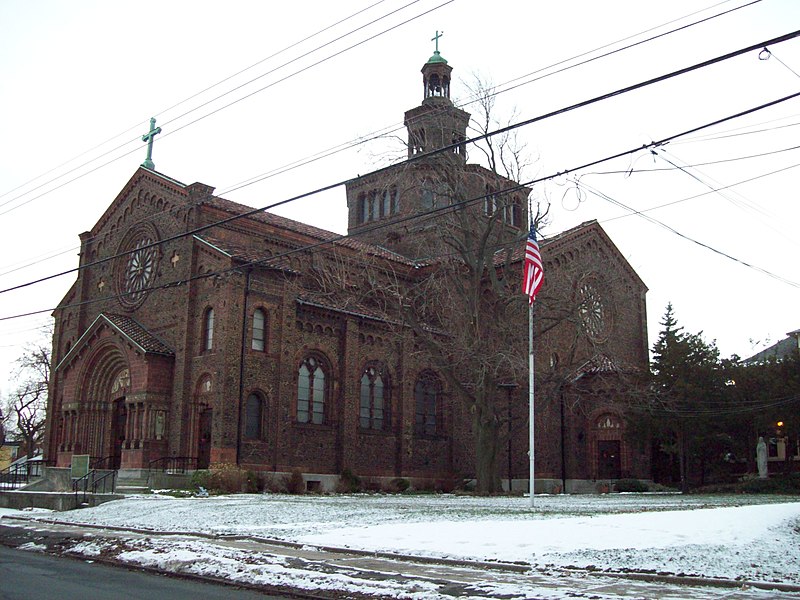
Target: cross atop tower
pixel 148 137
pixel 436 39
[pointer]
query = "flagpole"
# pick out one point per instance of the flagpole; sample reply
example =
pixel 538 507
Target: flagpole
pixel 533 276
pixel 530 402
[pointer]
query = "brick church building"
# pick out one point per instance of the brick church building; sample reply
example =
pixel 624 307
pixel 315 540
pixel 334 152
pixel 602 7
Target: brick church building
pixel 201 328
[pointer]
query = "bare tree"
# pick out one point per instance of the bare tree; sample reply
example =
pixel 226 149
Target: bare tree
pixel 26 406
pixel 506 154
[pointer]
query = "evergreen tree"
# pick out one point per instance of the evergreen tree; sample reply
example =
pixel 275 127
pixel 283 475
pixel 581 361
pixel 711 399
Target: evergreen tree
pixel 688 384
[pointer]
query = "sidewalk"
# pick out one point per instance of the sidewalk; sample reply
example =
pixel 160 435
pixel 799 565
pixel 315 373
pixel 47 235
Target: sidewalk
pixel 329 572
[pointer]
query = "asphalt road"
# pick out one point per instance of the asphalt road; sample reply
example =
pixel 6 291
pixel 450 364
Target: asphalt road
pixel 26 575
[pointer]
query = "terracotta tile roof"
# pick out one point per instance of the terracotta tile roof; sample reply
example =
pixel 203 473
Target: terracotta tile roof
pixel 315 233
pixel 248 255
pixel 518 254
pixel 353 309
pixel 600 364
pixel 138 334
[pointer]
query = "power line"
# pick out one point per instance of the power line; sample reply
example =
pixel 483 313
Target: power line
pixel 374 135
pixel 473 140
pixel 346 145
pixel 218 83
pixel 166 134
pixel 337 238
pixel 671 229
pixel 672 203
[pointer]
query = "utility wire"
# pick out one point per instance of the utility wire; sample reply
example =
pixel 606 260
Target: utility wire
pixel 673 202
pixel 337 238
pixel 171 132
pixel 374 135
pixel 473 140
pixel 203 91
pixel 671 229
pixel 390 127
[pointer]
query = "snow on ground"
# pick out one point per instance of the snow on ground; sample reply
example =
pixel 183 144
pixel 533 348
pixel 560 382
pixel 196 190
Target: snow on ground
pixel 754 538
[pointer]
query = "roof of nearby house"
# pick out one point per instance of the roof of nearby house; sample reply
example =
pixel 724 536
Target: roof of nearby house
pixel 782 349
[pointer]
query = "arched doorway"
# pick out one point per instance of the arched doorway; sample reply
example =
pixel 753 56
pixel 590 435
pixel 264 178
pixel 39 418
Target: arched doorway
pixel 608 450
pixel 102 414
pixel 204 423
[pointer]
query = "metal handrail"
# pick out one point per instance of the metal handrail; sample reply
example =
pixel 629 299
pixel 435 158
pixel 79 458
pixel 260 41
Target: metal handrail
pixel 15 476
pixel 91 481
pixel 171 464
pixel 102 463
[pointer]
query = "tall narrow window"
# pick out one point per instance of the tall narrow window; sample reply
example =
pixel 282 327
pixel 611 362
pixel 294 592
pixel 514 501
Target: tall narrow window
pixel 311 392
pixel 208 330
pixel 427 392
pixel 254 417
pixel 428 197
pixel 259 330
pixel 374 205
pixel 374 412
pixel 489 202
pixel 386 209
pixel 516 212
pixel 363 208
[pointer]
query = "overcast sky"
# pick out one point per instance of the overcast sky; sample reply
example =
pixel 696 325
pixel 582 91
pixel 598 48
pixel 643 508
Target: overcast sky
pixel 79 82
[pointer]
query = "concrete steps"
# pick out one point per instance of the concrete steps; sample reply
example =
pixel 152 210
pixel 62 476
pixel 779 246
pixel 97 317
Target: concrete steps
pixel 131 483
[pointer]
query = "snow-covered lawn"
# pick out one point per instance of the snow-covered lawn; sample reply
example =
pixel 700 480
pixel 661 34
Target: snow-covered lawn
pixel 742 537
pixel 751 537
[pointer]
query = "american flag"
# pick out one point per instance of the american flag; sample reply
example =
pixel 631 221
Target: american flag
pixel 534 274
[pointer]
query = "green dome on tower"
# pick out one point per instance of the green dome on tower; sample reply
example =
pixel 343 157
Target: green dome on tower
pixel 436 59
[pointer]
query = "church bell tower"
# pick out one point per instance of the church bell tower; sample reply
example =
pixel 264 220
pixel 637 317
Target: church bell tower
pixel 436 123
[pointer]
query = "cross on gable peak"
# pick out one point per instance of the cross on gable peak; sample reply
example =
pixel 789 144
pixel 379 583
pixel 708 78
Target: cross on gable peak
pixel 148 137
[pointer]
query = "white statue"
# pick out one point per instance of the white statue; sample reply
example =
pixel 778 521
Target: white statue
pixel 761 458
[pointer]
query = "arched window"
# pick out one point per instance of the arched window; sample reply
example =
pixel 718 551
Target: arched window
pixel 489 201
pixel 386 209
pixel 259 330
pixel 208 330
pixel 516 212
pixel 312 390
pixel 427 400
pixel 254 417
pixel 428 195
pixel 374 205
pixel 374 409
pixel 363 208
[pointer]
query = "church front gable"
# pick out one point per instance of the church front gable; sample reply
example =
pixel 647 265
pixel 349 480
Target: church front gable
pixel 594 298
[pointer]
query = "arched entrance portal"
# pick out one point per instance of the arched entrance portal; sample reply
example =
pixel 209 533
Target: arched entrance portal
pixel 101 423
pixel 117 396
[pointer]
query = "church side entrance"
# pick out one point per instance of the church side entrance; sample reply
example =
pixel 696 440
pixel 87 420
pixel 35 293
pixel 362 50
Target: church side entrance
pixel 205 419
pixel 609 462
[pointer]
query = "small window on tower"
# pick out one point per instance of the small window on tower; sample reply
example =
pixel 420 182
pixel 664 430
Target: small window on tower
pixel 374 205
pixel 428 197
pixel 363 208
